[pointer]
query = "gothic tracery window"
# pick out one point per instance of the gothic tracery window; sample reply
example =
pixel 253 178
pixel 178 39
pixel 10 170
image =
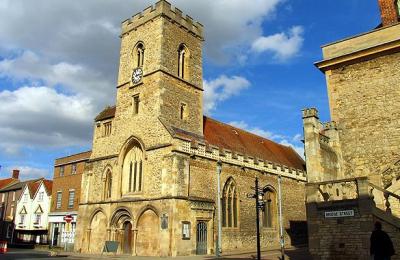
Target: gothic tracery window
pixel 133 171
pixel 269 211
pixel 230 204
pixel 183 58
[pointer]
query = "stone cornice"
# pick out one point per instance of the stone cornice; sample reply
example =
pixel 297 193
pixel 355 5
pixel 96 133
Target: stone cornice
pixel 357 56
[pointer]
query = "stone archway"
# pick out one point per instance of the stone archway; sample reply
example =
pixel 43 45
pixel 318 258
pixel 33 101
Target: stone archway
pixel 98 232
pixel 148 237
pixel 122 231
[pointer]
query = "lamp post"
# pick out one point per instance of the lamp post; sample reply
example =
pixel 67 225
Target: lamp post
pixel 219 240
pixel 258 220
pixel 282 239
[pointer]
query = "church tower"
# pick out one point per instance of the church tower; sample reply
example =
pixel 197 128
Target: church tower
pixel 160 71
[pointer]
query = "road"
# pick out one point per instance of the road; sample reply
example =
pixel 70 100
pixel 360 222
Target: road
pixel 27 254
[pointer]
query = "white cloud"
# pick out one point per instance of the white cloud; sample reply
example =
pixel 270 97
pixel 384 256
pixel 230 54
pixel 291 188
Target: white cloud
pixel 39 116
pixel 294 142
pixel 28 172
pixel 75 78
pixel 282 45
pixel 220 89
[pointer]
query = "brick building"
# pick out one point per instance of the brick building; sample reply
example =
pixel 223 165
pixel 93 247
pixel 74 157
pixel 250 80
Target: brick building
pixel 151 183
pixel 353 163
pixel 65 198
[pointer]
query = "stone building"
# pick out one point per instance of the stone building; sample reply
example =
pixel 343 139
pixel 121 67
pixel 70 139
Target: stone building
pixel 353 162
pixel 65 195
pixel 151 183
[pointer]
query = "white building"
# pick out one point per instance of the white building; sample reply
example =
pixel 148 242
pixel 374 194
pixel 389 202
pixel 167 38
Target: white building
pixel 33 207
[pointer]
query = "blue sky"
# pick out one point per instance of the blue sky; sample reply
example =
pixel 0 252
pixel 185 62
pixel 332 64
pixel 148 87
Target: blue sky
pixel 59 59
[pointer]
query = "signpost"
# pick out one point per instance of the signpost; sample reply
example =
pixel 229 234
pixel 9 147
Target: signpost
pixel 68 219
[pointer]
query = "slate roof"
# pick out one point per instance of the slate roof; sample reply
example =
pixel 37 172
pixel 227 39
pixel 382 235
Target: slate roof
pixel 108 112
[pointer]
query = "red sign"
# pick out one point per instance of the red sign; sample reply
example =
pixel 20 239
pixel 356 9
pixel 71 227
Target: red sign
pixel 68 218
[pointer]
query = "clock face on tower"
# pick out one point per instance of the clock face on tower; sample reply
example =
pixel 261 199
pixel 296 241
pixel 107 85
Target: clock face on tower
pixel 137 75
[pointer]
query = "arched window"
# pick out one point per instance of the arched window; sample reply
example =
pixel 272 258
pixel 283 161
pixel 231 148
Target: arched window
pixel 139 54
pixel 107 185
pixel 269 213
pixel 132 180
pixel 230 204
pixel 183 61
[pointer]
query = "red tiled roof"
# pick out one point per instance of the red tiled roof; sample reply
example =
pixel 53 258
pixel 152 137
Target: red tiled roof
pixel 6 182
pixel 107 113
pixel 238 140
pixel 48 185
pixel 33 187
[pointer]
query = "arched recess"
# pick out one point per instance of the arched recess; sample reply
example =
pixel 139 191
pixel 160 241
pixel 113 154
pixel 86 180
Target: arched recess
pixel 122 231
pixel 269 215
pixel 98 231
pixel 230 204
pixel 148 237
pixel 132 167
pixel 107 181
pixel 183 62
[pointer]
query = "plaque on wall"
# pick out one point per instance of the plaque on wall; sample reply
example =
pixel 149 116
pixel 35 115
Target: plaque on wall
pixel 185 230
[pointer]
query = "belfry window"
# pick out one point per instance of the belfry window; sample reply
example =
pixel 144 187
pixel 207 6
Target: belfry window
pixel 183 58
pixel 133 171
pixel 139 53
pixel 230 204
pixel 107 185
pixel 269 209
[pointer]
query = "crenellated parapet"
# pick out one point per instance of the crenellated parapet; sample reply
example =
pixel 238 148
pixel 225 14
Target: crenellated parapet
pixel 165 9
pixel 322 147
pixel 216 153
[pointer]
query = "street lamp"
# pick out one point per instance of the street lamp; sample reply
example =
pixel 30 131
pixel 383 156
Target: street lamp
pixel 219 240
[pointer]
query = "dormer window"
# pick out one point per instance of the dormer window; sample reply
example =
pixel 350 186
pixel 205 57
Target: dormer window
pixel 183 58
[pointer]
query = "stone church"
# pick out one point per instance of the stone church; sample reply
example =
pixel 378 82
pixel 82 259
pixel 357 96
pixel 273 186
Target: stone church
pixel 151 181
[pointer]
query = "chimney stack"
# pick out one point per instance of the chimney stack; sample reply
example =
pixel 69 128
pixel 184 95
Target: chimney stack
pixel 15 174
pixel 389 12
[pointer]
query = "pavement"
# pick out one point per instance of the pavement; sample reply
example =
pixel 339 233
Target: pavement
pixel 22 254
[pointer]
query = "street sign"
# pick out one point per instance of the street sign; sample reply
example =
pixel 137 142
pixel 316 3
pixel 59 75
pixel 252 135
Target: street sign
pixel 339 213
pixel 68 218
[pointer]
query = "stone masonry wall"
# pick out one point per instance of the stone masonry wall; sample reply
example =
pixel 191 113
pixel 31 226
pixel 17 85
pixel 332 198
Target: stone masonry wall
pixel 364 100
pixel 203 183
